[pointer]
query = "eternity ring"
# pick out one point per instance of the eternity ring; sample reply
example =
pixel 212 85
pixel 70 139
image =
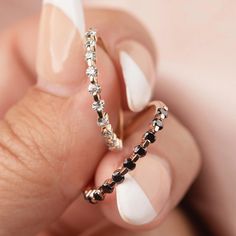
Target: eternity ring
pixel 111 139
pixel 98 194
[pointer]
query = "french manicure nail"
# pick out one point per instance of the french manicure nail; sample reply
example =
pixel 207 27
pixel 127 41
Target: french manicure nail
pixel 73 9
pixel 138 73
pixel 60 49
pixel 144 193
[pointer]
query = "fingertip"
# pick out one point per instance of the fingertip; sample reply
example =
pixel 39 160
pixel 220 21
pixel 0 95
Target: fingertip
pixel 138 72
pixel 137 203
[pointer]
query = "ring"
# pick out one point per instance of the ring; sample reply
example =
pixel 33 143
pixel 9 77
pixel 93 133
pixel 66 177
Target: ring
pixel 111 139
pixel 98 194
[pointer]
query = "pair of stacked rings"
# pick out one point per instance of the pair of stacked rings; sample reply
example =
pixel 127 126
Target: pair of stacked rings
pixel 113 142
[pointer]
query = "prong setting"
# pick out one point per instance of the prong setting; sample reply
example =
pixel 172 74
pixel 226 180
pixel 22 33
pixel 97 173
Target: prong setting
pixel 129 164
pixel 112 141
pixel 92 72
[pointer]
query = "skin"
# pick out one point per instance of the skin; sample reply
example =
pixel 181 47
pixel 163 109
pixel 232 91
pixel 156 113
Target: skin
pixel 200 186
pixel 59 187
pixel 38 174
pixel 196 42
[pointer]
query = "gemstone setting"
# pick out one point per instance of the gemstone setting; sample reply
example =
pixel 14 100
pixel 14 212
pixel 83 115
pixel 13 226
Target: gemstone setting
pixel 98 196
pixel 150 137
pixel 92 71
pixel 157 124
pixel 129 164
pixel 91 33
pixel 117 177
pixel 90 56
pixel 98 105
pixel 140 151
pixel 94 89
pixel 107 188
pixel 163 113
pixel 103 121
pixel 90 43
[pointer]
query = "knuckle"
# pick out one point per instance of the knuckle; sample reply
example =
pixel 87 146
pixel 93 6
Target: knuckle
pixel 35 144
pixel 24 168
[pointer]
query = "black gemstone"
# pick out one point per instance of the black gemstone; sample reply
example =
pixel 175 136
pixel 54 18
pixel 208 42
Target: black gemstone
pixel 140 151
pixel 128 163
pixel 157 123
pixel 118 177
pixel 98 196
pixel 163 111
pixel 150 136
pixel 107 188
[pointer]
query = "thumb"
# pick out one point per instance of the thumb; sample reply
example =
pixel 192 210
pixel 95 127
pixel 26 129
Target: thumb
pixel 45 143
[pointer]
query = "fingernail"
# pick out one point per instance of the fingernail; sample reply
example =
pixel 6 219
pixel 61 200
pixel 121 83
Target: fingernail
pixel 60 50
pixel 138 73
pixel 145 191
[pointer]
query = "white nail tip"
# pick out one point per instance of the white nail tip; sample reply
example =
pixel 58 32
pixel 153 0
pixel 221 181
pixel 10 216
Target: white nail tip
pixel 73 9
pixel 138 89
pixel 133 204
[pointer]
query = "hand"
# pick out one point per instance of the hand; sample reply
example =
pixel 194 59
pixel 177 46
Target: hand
pixel 46 136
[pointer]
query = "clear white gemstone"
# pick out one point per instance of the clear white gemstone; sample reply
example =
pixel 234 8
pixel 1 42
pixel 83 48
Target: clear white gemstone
pixel 111 140
pixel 90 55
pixel 115 144
pixel 107 131
pixel 92 71
pixel 91 33
pixel 90 43
pixel 119 144
pixel 104 120
pixel 111 145
pixel 94 89
pixel 99 105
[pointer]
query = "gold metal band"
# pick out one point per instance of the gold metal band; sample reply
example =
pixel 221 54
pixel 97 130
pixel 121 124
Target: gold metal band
pixel 98 194
pixel 111 139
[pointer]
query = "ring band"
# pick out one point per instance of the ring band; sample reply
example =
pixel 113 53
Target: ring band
pixel 129 164
pixel 111 139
